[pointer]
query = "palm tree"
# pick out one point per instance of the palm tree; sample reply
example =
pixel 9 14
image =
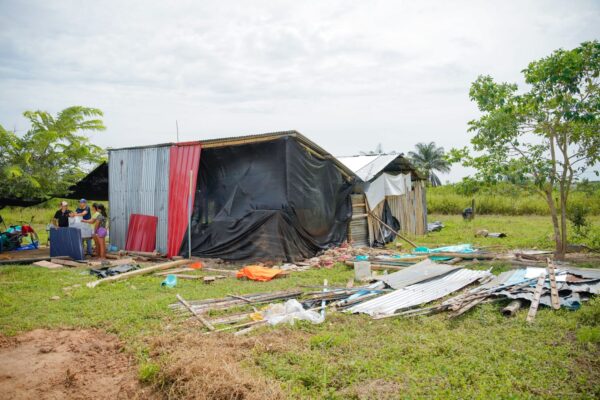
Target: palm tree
pixel 428 158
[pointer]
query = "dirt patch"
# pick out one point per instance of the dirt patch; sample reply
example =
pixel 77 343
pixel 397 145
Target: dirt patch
pixel 67 364
pixel 217 366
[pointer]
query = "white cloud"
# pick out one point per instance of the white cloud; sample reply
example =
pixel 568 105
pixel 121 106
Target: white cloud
pixel 347 74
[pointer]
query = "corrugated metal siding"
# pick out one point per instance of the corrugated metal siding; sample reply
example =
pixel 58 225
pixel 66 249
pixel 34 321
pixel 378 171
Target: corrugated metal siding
pixel 138 184
pixel 183 159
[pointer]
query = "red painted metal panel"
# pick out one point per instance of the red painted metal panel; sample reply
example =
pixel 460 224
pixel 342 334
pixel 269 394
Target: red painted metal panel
pixel 183 159
pixel 141 234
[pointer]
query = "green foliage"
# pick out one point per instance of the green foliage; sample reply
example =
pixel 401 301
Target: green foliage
pixel 51 156
pixel 429 158
pixel 547 135
pixel 578 214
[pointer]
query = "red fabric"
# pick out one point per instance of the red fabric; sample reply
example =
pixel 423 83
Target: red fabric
pixel 183 159
pixel 141 234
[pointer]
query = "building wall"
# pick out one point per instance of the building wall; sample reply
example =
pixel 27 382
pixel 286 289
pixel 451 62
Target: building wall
pixel 138 184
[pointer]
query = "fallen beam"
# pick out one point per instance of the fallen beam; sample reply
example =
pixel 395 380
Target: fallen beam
pixel 198 316
pixel 138 272
pixel 31 260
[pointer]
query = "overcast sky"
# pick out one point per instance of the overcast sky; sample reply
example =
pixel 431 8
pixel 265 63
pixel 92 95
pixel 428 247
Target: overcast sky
pixel 347 74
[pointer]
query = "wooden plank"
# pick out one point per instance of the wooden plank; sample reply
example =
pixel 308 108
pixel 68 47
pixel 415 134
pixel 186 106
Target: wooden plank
pixel 198 316
pixel 16 261
pixel 553 289
pixel 174 271
pixel 47 264
pixel 68 263
pixel 536 298
pixel 137 272
pixel 112 263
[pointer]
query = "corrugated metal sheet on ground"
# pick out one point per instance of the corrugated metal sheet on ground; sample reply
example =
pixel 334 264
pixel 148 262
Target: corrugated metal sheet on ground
pixel 419 293
pixel 419 272
pixel 183 159
pixel 141 235
pixel 588 273
pixel 138 184
pixel 66 242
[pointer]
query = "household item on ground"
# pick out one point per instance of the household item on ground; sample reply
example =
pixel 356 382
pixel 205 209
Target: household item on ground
pixel 290 312
pixel 141 234
pixel 112 271
pixel 66 242
pixel 362 270
pixel 170 281
pixel 435 226
pixel 258 273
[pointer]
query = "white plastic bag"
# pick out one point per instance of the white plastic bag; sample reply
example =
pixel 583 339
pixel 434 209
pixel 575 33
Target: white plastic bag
pixel 291 311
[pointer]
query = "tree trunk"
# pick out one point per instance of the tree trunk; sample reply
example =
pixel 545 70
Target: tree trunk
pixel 555 224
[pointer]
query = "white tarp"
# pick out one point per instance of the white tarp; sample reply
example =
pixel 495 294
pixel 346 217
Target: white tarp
pixel 86 229
pixel 386 185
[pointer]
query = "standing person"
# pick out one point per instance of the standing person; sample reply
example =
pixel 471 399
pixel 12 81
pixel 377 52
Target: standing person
pixel 98 220
pixel 61 217
pixel 85 213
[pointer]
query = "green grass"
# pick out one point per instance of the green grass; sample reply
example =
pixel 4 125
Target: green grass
pixel 522 231
pixel 505 200
pixel 478 355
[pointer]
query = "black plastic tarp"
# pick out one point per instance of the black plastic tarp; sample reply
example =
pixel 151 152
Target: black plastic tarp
pixel 94 186
pixel 267 201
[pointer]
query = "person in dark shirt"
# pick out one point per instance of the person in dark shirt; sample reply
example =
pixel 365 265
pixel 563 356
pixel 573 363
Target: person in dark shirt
pixel 84 212
pixel 61 217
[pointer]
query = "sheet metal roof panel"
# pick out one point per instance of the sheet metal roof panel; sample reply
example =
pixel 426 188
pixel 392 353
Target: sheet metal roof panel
pixel 419 293
pixel 416 273
pixel 367 167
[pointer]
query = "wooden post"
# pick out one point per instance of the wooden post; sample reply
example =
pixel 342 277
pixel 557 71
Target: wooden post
pixel 473 208
pixel 553 288
pixel 190 216
pixel 536 298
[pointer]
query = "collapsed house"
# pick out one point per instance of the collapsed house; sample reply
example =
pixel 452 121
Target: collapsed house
pixel 273 196
pixel 389 191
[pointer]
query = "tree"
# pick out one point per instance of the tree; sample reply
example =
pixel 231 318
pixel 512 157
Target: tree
pixel 549 134
pixel 429 158
pixel 51 156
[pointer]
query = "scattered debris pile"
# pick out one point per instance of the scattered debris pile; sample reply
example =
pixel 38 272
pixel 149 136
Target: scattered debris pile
pixel 403 293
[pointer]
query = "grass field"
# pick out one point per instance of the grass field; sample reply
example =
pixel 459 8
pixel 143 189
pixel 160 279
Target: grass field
pixel 479 355
pixel 505 199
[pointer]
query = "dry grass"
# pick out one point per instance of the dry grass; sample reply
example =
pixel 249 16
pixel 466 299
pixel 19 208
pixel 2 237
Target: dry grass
pixel 198 366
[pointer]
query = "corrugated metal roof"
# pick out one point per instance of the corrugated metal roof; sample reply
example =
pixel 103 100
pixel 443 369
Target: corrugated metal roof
pixel 367 167
pixel 419 293
pixel 416 273
pixel 314 148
